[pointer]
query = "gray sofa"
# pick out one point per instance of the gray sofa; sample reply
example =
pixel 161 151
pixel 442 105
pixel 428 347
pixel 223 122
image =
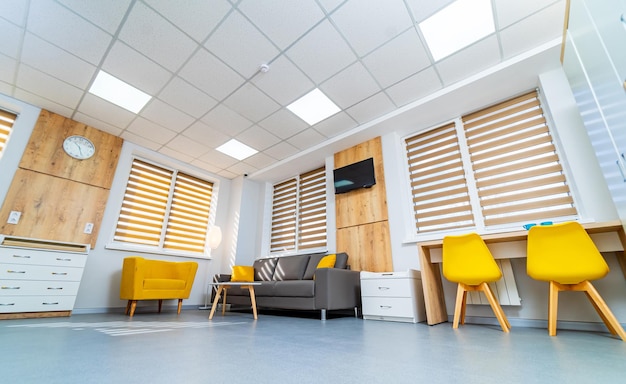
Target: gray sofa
pixel 288 283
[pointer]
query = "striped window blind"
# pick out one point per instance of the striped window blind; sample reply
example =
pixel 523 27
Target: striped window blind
pixel 164 209
pixel 299 213
pixel 6 125
pixel 516 175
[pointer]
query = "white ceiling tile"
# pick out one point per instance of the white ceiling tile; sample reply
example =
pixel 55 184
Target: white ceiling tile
pixel 115 131
pixel 336 124
pixel 241 168
pixel 469 61
pixel 281 150
pixel 511 11
pixel 257 138
pixel 147 128
pixel 10 38
pixel 350 86
pixel 415 87
pixel 159 112
pixel 218 159
pixel 371 108
pixel 422 9
pixel 240 45
pixel 206 166
pixel 283 21
pixel 187 98
pixel 384 21
pixel 187 146
pixel 140 140
pixel 307 138
pixel 210 75
pixel 409 47
pixel 101 109
pixel 155 37
pixel 330 5
pixel 46 86
pixel 250 102
pixel 5 88
pixel 106 14
pixel 532 31
pixel 206 135
pixel 181 156
pixel 321 53
pixel 14 11
pixel 41 102
pixel 74 34
pixel 227 174
pixel 284 82
pixel 283 124
pixel 226 120
pixel 197 18
pixel 56 62
pixel 134 68
pixel 259 160
pixel 8 66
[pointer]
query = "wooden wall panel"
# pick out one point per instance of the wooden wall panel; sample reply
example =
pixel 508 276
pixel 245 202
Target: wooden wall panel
pixel 368 246
pixel 365 205
pixel 44 152
pixel 53 208
pixel 361 215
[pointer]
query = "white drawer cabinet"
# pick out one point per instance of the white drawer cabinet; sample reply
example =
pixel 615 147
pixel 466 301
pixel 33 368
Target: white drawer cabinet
pixel 393 296
pixel 39 278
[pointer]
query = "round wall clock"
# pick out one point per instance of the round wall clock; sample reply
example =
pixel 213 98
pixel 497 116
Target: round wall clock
pixel 79 147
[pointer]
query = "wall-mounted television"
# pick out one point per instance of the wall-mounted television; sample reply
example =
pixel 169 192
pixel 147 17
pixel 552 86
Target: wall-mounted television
pixel 354 176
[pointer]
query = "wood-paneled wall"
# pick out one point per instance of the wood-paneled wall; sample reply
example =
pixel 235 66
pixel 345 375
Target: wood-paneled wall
pixel 362 216
pixel 57 194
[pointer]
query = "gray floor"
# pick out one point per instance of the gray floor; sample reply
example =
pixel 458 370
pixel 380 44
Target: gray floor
pixel 166 348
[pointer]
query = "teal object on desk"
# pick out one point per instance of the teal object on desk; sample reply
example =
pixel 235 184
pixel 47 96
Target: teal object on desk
pixel 529 226
pixel 546 223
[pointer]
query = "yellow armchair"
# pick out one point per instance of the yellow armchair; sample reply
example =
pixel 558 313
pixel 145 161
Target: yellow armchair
pixel 144 279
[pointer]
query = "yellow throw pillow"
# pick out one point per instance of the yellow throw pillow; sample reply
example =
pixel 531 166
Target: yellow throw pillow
pixel 327 261
pixel 242 273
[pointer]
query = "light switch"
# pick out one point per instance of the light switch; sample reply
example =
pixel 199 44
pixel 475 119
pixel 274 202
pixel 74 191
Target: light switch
pixel 14 217
pixel 88 228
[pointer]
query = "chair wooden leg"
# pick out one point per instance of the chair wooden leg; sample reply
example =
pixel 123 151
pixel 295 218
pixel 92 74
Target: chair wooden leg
pixel 133 305
pixel 553 306
pixel 180 305
pixel 459 308
pixel 127 307
pixel 603 310
pixel 224 301
pixel 495 306
pixel 160 305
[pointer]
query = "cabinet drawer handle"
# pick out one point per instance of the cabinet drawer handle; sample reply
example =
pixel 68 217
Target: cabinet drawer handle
pixel 6 304
pixel 12 271
pixel 22 256
pixel 385 306
pixel 57 303
pixel 62 259
pixel 383 288
pixel 55 288
pixel 59 273
pixel 10 287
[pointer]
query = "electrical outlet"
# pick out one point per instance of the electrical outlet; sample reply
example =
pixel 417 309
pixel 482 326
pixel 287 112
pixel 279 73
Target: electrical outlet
pixel 14 217
pixel 88 228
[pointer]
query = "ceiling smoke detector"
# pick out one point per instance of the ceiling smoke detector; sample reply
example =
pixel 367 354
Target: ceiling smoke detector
pixel 264 68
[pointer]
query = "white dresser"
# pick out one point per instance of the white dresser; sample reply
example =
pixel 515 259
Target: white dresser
pixel 393 296
pixel 39 278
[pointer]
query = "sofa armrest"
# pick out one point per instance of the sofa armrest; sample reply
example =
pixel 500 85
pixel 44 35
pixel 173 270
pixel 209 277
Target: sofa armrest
pixel 337 288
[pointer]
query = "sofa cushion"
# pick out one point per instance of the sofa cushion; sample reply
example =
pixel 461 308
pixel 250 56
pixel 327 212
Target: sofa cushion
pixel 294 288
pixel 264 269
pixel 314 259
pixel 290 267
pixel 242 273
pixel 342 260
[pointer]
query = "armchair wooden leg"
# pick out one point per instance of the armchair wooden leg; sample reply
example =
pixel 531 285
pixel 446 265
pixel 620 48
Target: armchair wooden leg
pixel 128 307
pixel 180 305
pixel 603 310
pixel 133 305
pixel 160 305
pixel 495 306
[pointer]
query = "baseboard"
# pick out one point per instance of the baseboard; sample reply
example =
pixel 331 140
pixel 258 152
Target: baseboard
pixel 530 323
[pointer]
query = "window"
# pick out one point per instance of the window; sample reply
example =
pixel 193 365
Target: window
pixel 164 209
pixel 299 213
pixel 6 124
pixel 497 166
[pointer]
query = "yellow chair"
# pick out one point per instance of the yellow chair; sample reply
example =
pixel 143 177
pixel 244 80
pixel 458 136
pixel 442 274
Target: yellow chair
pixel 565 255
pixel 144 279
pixel 468 262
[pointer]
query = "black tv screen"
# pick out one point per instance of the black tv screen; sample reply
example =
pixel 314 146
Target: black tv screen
pixel 354 176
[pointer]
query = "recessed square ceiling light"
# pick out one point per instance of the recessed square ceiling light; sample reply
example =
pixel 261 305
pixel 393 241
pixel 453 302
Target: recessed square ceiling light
pixel 118 92
pixel 457 26
pixel 313 107
pixel 236 149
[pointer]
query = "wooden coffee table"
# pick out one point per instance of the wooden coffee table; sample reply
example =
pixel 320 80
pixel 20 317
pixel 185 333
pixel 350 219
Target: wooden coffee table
pixel 223 287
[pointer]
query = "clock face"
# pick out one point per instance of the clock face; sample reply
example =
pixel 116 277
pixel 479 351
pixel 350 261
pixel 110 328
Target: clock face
pixel 79 147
